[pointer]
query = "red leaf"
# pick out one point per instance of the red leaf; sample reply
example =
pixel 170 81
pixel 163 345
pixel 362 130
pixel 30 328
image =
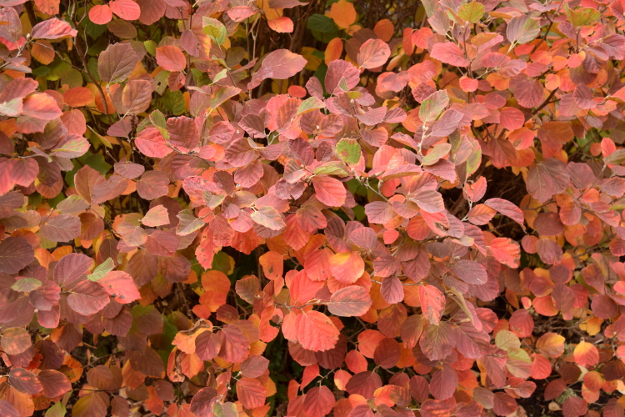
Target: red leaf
pixel 280 65
pixel 341 70
pixel 8 410
pixel 315 331
pixel 41 106
pixel 54 383
pixel 350 301
pixel 574 406
pixel 429 201
pixel 527 91
pixel 432 303
pixel 449 53
pixel 153 184
pixel 522 323
pixel 437 341
pixel 506 208
pixel 207 345
pixel 254 366
pixel 156 216
pixel 24 381
pixel 470 272
pixel 151 11
pixel 129 170
pixel 48 6
pixel 251 393
pixel 151 143
pixel 170 58
pixel 62 228
pixel 125 9
pixel 555 134
pixel 329 191
pixel 379 212
pixel 146 361
pixel 87 298
pixel 15 254
pixel 373 54
pixel 387 353
pixel 52 29
pixel 71 268
pixel 204 401
pixel 100 14
pixel 318 402
pixel 120 286
pixel 364 383
pixel 234 345
pixel 117 62
pixel 504 404
pixel 136 97
pixel 444 383
pixel 15 340
pixel 392 290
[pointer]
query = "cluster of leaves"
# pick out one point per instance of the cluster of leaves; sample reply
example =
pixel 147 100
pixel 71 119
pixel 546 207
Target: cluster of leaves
pixel 233 208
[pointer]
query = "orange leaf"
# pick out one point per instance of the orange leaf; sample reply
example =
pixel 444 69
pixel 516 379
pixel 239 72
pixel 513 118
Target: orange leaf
pixel 506 251
pixel 334 49
pixel 343 13
pixel 281 24
pixel 586 354
pixel 384 29
pixel 78 97
pixel 347 267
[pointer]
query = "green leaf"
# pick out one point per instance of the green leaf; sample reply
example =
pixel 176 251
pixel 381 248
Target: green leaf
pixel 225 409
pixel 310 104
pixel 102 139
pixel 188 223
pixel 174 102
pixel 158 119
pixel 26 285
pixel 57 410
pixel 616 158
pixel 471 12
pixel 583 16
pixel 58 70
pixel 11 108
pixel 220 75
pixel 433 106
pixel 332 168
pixel 160 82
pixel 101 270
pixel 507 340
pixel 215 30
pixel 522 29
pixel 323 28
pixel 348 150
pixel 437 152
pixel 150 46
pixel 321 23
pixel 475 159
pixel 41 71
pixel 224 263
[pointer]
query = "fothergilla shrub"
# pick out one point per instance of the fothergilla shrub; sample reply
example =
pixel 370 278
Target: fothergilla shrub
pixel 283 208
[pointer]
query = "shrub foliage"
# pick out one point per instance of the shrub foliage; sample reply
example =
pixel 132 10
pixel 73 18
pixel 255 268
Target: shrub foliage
pixel 233 208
